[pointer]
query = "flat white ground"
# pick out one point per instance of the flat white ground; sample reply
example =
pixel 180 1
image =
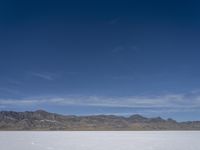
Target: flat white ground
pixel 100 140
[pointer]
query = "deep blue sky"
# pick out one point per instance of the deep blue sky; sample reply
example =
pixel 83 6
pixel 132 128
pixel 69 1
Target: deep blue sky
pixel 101 57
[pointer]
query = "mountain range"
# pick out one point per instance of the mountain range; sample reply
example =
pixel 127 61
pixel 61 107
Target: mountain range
pixel 43 120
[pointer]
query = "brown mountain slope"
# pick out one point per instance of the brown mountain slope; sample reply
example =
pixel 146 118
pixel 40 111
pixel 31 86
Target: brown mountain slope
pixel 42 120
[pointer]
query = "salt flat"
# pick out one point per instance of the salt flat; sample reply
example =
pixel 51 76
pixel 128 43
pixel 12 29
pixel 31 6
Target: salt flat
pixel 100 140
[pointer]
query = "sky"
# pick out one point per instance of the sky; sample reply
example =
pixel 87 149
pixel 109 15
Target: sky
pixel 101 57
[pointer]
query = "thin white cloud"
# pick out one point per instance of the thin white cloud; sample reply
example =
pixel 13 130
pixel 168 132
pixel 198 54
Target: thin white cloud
pixel 172 101
pixel 44 75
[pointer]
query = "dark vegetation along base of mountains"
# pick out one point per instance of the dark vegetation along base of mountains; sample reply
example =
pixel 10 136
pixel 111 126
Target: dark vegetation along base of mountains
pixel 42 120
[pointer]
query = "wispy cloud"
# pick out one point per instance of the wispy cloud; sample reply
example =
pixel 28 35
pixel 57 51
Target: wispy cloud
pixel 189 101
pixel 10 91
pixel 45 75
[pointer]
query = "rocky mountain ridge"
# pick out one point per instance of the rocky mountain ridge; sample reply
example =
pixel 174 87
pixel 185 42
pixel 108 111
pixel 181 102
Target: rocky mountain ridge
pixel 42 120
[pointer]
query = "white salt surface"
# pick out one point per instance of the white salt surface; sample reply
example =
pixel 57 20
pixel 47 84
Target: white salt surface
pixel 100 140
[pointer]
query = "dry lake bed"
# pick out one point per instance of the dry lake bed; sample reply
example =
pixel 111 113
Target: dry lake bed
pixel 100 140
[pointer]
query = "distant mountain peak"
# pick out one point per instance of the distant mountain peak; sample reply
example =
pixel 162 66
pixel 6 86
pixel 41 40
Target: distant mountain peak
pixel 41 111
